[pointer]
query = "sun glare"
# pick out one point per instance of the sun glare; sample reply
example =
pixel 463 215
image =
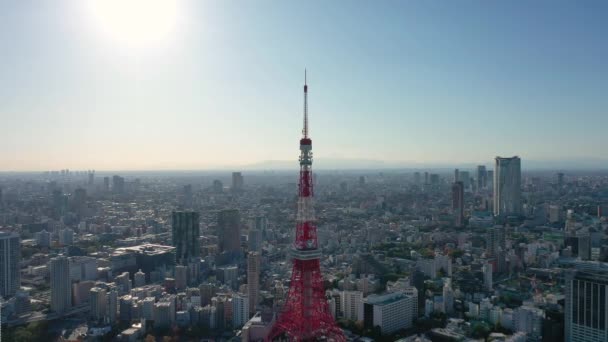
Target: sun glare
pixel 136 23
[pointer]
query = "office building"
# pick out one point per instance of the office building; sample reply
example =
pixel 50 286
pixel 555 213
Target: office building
pixel 481 177
pixel 186 234
pixel 61 289
pixel 181 277
pixel 586 292
pixel 458 203
pixel 237 181
pixel 254 240
pixel 465 178
pixel 391 312
pixel 495 241
pixel 118 185
pixel 507 187
pixel 10 256
pixel 253 280
pixel 106 184
pixel 229 231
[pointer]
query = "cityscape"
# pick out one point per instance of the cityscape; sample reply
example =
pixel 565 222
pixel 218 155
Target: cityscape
pixel 268 246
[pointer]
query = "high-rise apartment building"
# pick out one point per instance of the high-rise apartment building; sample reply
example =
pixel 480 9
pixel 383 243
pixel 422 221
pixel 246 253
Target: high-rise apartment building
pixel 253 280
pixel 352 305
pixel 61 289
pixel 240 310
pixel 458 203
pixel 585 315
pixel 186 234
pixel 10 255
pixel 98 301
pixel 507 186
pixel 229 231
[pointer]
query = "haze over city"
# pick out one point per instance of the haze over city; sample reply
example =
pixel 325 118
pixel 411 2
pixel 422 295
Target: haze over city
pixel 159 180
pixel 195 85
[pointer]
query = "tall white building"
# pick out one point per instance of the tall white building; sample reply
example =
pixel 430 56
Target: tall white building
pixel 507 186
pixel 61 289
pixel 585 315
pixel 240 310
pixel 352 305
pixel 10 255
pixel 253 281
pixel 391 312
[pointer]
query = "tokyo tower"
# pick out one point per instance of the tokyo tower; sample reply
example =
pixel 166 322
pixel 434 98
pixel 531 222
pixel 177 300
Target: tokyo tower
pixel 306 315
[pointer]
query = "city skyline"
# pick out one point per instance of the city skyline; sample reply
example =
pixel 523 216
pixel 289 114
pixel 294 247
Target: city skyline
pixel 90 87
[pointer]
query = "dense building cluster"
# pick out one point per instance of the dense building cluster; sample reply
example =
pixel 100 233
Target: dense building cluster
pixel 411 255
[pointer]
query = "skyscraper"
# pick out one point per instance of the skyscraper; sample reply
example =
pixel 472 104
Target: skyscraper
pixel 481 177
pixel 106 184
pixel 458 203
pixel 237 181
pixel 229 231
pixel 61 290
pixel 254 240
pixel 185 234
pixel 586 309
pixel 118 184
pixel 507 186
pixel 10 255
pixel 253 280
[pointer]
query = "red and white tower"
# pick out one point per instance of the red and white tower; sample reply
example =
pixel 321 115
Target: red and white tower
pixel 305 315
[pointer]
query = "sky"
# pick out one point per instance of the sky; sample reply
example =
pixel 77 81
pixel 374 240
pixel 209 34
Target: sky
pixel 156 84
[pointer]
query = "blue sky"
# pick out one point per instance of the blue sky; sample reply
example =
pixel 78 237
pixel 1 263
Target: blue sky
pixel 398 81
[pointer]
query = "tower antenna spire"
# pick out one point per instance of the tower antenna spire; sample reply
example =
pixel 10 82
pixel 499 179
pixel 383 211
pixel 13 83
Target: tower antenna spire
pixel 305 129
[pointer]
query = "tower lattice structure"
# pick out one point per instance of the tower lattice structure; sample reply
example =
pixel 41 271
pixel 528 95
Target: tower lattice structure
pixel 305 315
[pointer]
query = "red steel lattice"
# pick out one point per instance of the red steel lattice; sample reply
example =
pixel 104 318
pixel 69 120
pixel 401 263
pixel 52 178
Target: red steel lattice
pixel 305 315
